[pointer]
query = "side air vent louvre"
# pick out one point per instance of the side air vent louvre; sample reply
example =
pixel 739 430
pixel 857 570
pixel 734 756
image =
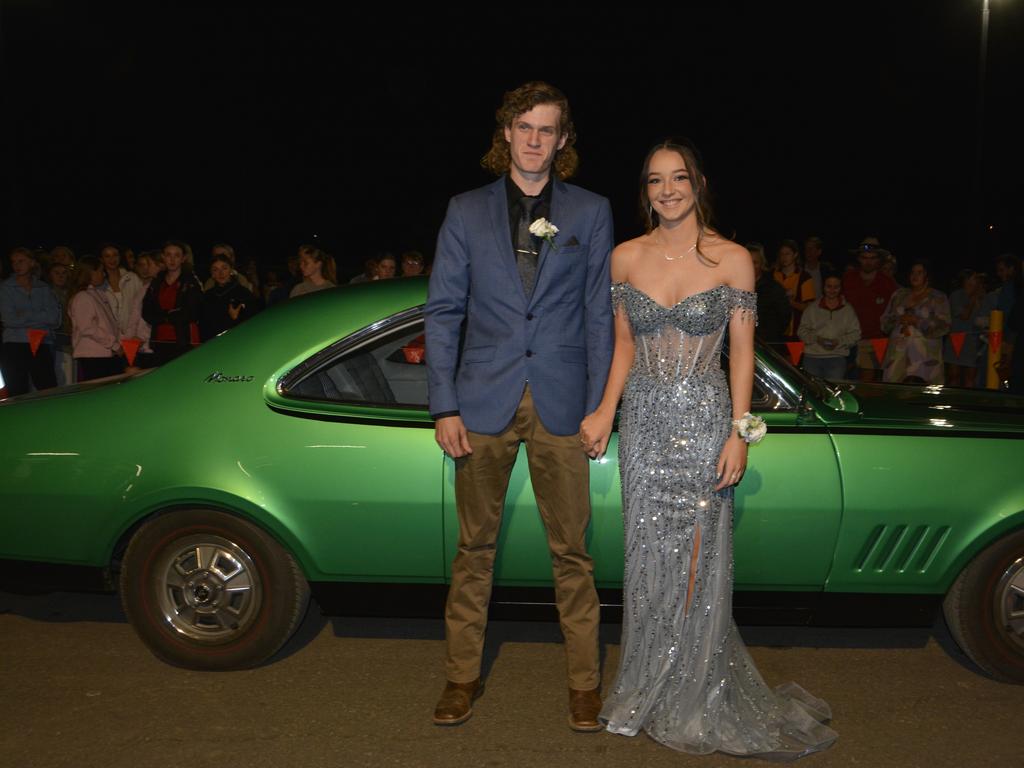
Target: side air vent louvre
pixel 898 548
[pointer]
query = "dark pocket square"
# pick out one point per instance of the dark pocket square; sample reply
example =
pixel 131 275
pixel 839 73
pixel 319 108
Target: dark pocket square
pixel 572 241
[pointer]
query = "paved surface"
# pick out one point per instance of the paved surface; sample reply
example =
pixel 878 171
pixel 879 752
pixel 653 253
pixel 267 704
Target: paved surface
pixel 78 689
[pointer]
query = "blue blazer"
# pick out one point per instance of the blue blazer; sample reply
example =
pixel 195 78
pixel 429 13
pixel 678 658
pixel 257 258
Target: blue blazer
pixel 559 339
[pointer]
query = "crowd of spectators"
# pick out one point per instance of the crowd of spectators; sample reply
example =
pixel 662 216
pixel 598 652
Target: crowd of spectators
pixel 68 320
pixel 856 320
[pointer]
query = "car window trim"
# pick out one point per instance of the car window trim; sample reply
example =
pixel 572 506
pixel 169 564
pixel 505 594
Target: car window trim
pixel 351 343
pixel 780 396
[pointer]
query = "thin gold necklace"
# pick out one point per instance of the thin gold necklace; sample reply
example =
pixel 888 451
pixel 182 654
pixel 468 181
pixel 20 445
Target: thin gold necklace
pixel 664 250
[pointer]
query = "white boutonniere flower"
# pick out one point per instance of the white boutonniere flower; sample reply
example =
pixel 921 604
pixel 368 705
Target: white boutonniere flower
pixel 751 428
pixel 545 230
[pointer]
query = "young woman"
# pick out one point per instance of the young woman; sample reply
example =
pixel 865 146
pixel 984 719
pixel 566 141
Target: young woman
pixel 685 676
pixel 95 338
pixel 799 285
pixel 172 306
pixel 121 288
pixel 317 270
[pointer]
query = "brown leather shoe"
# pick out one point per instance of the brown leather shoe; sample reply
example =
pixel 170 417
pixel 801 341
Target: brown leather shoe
pixel 456 703
pixel 584 707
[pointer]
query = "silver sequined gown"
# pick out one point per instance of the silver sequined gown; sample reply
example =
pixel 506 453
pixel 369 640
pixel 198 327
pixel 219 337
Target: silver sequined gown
pixel 685 676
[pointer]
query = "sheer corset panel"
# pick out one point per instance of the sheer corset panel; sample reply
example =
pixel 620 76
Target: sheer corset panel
pixel 684 340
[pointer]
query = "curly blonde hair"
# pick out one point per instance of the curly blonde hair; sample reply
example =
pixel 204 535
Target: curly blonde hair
pixel 521 100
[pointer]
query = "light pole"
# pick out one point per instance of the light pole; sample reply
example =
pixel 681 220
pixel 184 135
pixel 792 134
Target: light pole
pixel 979 156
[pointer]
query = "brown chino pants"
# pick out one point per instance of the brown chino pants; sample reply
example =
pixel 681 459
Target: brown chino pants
pixel 560 475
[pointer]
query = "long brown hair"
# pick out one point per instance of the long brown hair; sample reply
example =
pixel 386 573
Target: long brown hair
pixel 326 261
pixel 701 196
pixel 80 279
pixel 521 100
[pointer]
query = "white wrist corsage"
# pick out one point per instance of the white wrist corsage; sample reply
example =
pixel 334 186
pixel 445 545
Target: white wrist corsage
pixel 751 428
pixel 545 230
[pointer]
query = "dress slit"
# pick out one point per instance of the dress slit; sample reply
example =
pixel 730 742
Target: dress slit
pixel 694 560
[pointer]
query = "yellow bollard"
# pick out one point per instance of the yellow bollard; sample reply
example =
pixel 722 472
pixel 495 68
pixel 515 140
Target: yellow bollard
pixel 995 344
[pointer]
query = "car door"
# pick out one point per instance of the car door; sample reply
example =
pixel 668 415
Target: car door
pixel 789 505
pixel 355 448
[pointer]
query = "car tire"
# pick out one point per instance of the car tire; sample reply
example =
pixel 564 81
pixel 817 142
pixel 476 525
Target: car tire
pixel 207 590
pixel 985 609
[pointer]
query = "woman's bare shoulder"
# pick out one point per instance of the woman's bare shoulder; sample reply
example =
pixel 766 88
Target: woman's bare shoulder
pixel 625 254
pixel 734 260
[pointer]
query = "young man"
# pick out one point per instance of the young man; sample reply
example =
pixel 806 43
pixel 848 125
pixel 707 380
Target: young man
pixel 868 290
pixel 533 304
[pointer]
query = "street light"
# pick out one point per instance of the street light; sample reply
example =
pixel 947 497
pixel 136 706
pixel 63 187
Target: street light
pixel 979 151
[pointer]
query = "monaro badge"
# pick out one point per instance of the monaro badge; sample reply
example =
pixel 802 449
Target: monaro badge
pixel 219 378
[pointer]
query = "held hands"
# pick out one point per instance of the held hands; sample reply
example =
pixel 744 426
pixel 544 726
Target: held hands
pixel 733 462
pixel 451 435
pixel 595 430
pixel 234 310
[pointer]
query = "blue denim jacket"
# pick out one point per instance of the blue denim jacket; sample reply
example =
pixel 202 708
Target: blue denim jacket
pixel 21 310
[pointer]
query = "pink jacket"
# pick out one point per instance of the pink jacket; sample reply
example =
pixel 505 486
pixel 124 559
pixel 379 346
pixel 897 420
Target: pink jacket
pixel 93 326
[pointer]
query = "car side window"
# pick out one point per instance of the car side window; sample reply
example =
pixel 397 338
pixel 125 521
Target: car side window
pixel 387 370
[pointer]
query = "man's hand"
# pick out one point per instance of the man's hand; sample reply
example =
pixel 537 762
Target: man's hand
pixel 451 435
pixel 595 430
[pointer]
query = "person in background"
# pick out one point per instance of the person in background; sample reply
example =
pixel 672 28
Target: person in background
pixel 27 303
pixel 61 254
pixel 814 266
pixel 59 278
pixel 227 303
pixel 271 282
pixel 1008 298
pixel 1015 366
pixel 829 330
pixel 120 288
pixel 128 256
pixel 412 264
pixel 369 272
pixel 95 333
pixel 969 308
pixel 916 319
pixel 386 267
pixel 148 265
pixel 225 251
pixel 868 290
pixel 294 277
pixel 890 267
pixel 252 275
pixel 317 270
pixel 172 305
pixel 798 285
pixel 773 309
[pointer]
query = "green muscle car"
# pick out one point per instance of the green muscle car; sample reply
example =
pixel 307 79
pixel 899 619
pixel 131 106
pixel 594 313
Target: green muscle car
pixel 295 452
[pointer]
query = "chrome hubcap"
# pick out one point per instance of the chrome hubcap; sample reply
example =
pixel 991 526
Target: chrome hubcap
pixel 209 590
pixel 1010 601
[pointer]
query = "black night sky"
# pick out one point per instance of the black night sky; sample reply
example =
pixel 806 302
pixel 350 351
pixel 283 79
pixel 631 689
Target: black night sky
pixel 269 127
